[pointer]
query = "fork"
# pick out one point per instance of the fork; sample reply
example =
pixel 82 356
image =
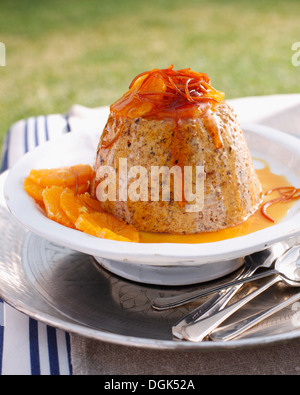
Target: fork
pixel 220 300
pixel 253 262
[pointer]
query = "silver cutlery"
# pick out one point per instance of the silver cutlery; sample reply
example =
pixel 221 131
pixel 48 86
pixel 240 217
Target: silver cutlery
pixel 219 301
pixel 178 300
pixel 236 329
pixel 287 269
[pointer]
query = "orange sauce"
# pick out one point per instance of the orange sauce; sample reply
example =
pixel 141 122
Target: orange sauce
pixel 254 223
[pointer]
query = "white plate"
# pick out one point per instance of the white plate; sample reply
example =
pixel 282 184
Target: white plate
pixel 158 263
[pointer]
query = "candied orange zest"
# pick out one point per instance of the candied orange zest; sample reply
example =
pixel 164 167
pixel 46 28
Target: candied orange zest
pixel 167 90
pixel 287 193
pixel 166 94
pixel 182 86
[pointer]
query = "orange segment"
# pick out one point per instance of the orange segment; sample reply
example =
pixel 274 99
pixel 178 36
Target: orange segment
pixel 118 226
pixel 82 188
pixel 34 190
pixel 92 204
pixel 74 205
pixel 62 192
pixel 71 204
pixel 88 223
pixel 51 198
pixel 98 224
pixel 62 176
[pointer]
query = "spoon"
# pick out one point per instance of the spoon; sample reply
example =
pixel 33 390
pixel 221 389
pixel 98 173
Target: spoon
pixel 237 329
pixel 253 262
pixel 219 301
pixel 286 269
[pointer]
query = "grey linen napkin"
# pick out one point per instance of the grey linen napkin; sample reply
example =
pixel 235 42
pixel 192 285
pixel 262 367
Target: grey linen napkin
pixel 91 357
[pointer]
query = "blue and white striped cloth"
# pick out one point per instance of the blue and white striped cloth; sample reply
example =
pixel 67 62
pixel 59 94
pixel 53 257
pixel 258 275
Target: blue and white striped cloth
pixel 28 347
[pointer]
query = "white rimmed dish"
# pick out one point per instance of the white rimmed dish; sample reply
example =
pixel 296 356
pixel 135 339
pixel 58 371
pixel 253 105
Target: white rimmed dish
pixel 156 263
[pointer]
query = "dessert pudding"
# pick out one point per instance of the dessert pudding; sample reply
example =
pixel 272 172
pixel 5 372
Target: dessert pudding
pixel 177 120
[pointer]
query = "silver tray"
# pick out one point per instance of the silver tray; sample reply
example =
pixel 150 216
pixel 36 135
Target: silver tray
pixel 69 290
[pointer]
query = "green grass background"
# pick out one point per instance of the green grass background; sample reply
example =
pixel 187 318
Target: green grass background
pixel 61 52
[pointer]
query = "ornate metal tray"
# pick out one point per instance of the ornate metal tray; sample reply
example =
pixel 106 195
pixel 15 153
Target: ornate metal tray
pixel 69 290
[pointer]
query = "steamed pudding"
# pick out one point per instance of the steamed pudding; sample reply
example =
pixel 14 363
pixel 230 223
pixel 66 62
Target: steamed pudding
pixel 176 118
